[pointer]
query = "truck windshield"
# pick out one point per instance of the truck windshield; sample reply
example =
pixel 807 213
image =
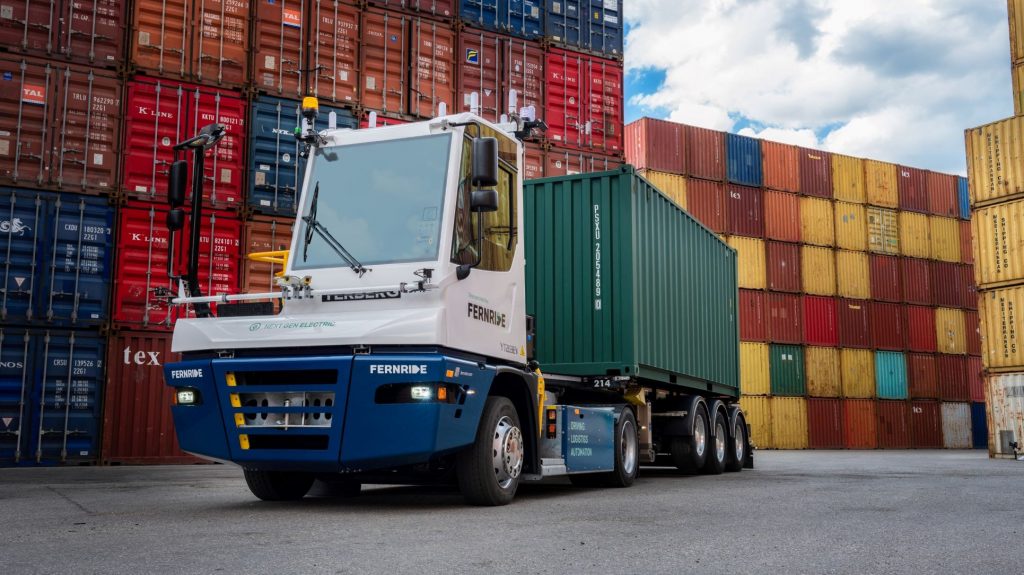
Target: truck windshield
pixel 381 200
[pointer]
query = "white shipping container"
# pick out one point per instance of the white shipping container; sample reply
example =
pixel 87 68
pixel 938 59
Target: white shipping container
pixel 1005 394
pixel 956 425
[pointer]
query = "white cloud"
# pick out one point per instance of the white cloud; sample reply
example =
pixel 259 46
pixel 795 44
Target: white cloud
pixel 898 81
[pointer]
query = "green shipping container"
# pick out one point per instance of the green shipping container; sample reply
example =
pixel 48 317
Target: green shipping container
pixel 621 281
pixel 786 364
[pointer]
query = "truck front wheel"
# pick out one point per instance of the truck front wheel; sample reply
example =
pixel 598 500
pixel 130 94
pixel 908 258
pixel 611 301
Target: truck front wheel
pixel 278 485
pixel 488 471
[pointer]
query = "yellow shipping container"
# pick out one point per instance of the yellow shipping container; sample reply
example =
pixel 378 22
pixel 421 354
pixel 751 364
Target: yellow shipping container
pixel 914 235
pixel 1002 328
pixel 818 270
pixel 789 422
pixel 816 222
pixel 883 231
pixel 852 273
pixel 754 375
pixel 822 371
pixel 945 238
pixel 1015 9
pixel 851 227
pixel 672 185
pixel 758 410
pixel 880 183
pixel 848 179
pixel 999 243
pixel 857 372
pixel 995 160
pixel 950 335
pixel 750 260
pixel 1018 89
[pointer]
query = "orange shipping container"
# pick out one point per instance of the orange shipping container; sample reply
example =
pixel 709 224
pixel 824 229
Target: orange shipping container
pixel 655 145
pixel 851 226
pixel 781 163
pixel 279 47
pixel 334 52
pixel 782 216
pixel 881 181
pixel 859 424
pixel 432 79
pixel 263 235
pixel 966 245
pixel 848 179
pixel 383 56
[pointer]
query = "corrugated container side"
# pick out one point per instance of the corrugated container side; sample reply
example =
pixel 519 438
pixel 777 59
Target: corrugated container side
pixel 848 179
pixel 820 321
pixel 881 183
pixel 786 363
pixel 220 43
pixel 1006 412
pixel 857 369
pixel 758 411
pixel 894 425
pixel 818 270
pixel 583 89
pixel 334 53
pixel 782 216
pixel 949 288
pixel 851 226
pixel 817 222
pixel 885 278
pixel 822 371
pixel 998 243
pixel 781 166
pixel 963 197
pixel 950 332
pixel 524 72
pixel 1002 323
pixel 915 235
pixel 743 156
pixel 975 378
pixel 789 422
pixel 533 165
pixel 815 173
pixel 672 185
pixel 383 56
pixel 706 201
pixel 432 72
pixel 656 145
pixel 824 424
pixel 263 235
pixel 966 243
pixel 951 371
pixel 972 330
pixel 922 376
pixel 853 274
pixel 160 38
pixel 925 425
pixel 783 266
pixel 751 264
pixel 916 281
pixel 563 162
pixel 1017 82
pixel 979 426
pixel 87 32
pixel 584 25
pixel 745 211
pixel 279 47
pixel 705 153
pixel 945 239
pixel 883 231
pixel 29 87
pixel 854 323
pixel 890 375
pixel 921 329
pixel 753 326
pixel 970 286
pixel 913 189
pixel 888 326
pixel 785 318
pixel 993 167
pixel 755 378
pixel 1016 18
pixel 440 9
pixel 860 424
pixel 941 193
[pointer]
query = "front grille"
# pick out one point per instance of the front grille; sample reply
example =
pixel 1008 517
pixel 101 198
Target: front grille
pixel 287 377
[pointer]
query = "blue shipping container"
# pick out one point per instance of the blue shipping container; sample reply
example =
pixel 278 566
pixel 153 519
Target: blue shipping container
pixel 964 197
pixel 586 25
pixel 890 375
pixel 50 389
pixel 743 160
pixel 979 426
pixel 57 258
pixel 522 18
pixel 274 153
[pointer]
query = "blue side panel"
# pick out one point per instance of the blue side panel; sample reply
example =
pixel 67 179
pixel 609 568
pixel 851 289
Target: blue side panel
pixel 480 14
pixel 963 197
pixel 15 392
pixel 890 375
pixel 743 158
pixel 565 24
pixel 588 438
pixel 979 426
pixel 274 159
pixel 79 265
pixel 524 18
pixel 200 428
pixel 22 242
pixel 605 36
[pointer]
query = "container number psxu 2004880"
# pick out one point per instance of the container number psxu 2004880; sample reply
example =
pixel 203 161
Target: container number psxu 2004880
pixel 597 257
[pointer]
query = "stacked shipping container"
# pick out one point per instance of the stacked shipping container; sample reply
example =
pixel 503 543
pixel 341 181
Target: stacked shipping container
pixel 857 307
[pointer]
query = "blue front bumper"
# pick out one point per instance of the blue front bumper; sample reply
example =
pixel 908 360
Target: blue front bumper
pixel 324 413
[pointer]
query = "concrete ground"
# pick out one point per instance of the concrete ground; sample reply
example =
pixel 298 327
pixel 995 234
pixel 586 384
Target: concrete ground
pixel 798 512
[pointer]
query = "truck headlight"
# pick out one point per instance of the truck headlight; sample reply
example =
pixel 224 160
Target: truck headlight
pixel 421 392
pixel 187 396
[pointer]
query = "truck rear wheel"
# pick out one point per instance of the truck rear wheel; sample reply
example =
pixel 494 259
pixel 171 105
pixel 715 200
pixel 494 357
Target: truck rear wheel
pixel 738 445
pixel 278 485
pixel 488 471
pixel 690 453
pixel 714 464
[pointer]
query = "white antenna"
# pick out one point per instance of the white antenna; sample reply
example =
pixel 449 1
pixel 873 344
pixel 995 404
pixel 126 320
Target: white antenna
pixel 504 119
pixel 332 120
pixel 474 103
pixel 372 121
pixel 587 128
pixel 513 101
pixel 442 110
pixel 528 113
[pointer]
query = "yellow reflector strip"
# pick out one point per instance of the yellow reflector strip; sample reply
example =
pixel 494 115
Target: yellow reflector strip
pixel 235 402
pixel 230 377
pixel 243 440
pixel 239 420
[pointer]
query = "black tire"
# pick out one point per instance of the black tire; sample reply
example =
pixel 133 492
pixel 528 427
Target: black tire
pixel 739 446
pixel 718 447
pixel 487 477
pixel 627 457
pixel 690 453
pixel 278 485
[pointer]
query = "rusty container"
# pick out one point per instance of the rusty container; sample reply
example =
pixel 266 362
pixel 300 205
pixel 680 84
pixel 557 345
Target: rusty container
pixel 333 40
pixel 279 47
pixel 705 153
pixel 956 425
pixel 942 195
pixel 972 331
pixel 383 56
pixel 894 425
pixel 815 173
pixel 887 326
pixel 922 376
pixel 921 328
pixel 913 189
pixel 533 167
pixel 885 278
pixel 432 68
pixel 951 374
pixel 784 314
pixel 883 231
pixel 925 425
pixel 263 235
pixel 860 424
pixel 781 166
pixel 820 321
pixel 753 326
pixel 783 265
pixel 825 423
pixel 781 216
pixel 658 145
pixel 440 9
pixel 854 324
pixel 744 211
pixel 916 281
pixel 881 183
pixel 705 200
pixel 87 32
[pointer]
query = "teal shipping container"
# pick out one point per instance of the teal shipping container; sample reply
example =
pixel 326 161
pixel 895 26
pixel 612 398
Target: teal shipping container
pixel 786 366
pixel 622 282
pixel 890 375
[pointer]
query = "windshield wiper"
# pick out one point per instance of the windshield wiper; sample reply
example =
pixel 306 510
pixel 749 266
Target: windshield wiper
pixel 312 225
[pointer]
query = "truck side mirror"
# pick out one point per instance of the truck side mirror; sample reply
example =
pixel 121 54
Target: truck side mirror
pixel 483 201
pixel 176 189
pixel 175 219
pixel 485 162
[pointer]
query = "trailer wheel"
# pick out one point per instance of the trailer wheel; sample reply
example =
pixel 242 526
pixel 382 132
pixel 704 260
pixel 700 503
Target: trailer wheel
pixel 690 453
pixel 278 485
pixel 627 458
pixel 488 471
pixel 718 450
pixel 737 446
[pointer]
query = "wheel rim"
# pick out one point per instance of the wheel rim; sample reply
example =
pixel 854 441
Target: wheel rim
pixel 740 444
pixel 627 444
pixel 507 450
pixel 720 442
pixel 700 436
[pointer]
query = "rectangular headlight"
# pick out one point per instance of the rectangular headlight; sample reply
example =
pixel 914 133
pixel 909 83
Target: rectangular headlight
pixel 187 397
pixel 421 392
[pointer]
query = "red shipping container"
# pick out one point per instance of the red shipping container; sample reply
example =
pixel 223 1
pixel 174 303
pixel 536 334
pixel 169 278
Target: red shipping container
pixel 887 326
pixel 951 371
pixel 334 46
pixel 705 200
pixel 87 32
pixel 975 379
pixel 942 198
pixel 815 173
pixel 922 376
pixel 561 162
pixel 781 163
pixel 854 324
pixel 523 64
pixel 893 425
pixel 971 288
pixel 440 9
pixel 432 74
pixel 584 102
pixel 782 216
pixel 656 145
pixel 916 281
pixel 925 425
pixel 141 284
pixel 279 46
pixel 783 262
pixel 383 58
pixel 137 424
pixel 62 126
pixel 825 423
pixel 744 212
pixel 784 313
pixel 381 120
pixel 753 326
pixel 949 284
pixel 885 278
pixel 480 72
pixel 705 153
pixel 820 321
pixel 921 329
pixel 533 160
pixel 860 424
pixel 972 332
pixel 913 189
pixel 161 113
pixel 966 245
